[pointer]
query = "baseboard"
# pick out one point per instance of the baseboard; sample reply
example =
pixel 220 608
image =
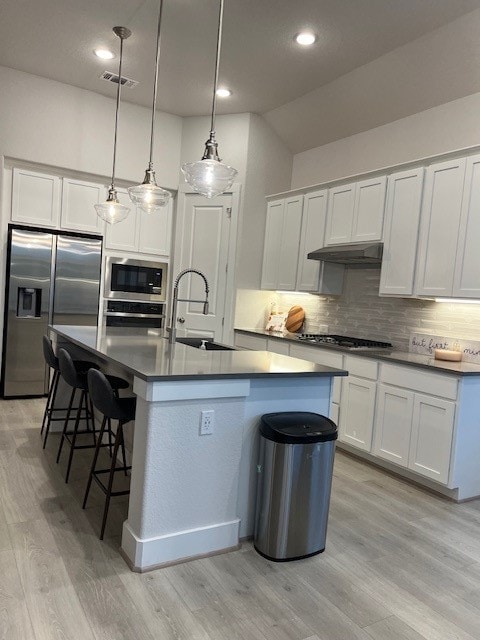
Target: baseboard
pixel 152 553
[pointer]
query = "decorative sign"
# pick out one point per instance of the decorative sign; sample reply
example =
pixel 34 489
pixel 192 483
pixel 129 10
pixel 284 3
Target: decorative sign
pixel 426 345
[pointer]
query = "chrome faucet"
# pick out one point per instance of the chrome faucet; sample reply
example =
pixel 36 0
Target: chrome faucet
pixel 172 329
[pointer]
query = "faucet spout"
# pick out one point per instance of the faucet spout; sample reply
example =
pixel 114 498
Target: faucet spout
pixel 172 330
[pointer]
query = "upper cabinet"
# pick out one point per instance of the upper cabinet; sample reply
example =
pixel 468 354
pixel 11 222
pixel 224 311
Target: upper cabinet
pixel 78 200
pixel 282 239
pixel 141 232
pixel 36 198
pixel 402 219
pixel 295 226
pixel 355 212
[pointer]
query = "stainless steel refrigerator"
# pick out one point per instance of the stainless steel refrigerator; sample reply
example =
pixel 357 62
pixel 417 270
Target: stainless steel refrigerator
pixel 52 278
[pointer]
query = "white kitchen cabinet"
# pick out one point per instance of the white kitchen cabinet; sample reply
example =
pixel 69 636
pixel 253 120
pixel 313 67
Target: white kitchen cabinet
pixel 281 347
pixel 357 411
pixel 341 202
pixel 355 212
pixel 282 240
pixel 123 236
pixel 314 275
pixel 36 198
pixel 78 200
pixel 402 219
pixel 155 231
pixel 393 424
pixel 252 342
pixel 439 228
pixel 467 265
pixel 431 439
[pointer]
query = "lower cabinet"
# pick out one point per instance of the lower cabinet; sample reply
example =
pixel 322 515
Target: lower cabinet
pixel 252 342
pixel 357 411
pixel 415 431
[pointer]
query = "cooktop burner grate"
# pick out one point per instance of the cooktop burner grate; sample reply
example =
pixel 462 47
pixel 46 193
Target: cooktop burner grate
pixel 343 341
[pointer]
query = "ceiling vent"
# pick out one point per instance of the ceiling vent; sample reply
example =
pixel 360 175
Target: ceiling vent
pixel 113 77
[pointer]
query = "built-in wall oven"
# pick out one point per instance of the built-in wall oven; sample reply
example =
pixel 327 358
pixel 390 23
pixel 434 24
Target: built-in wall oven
pixel 135 280
pixel 147 315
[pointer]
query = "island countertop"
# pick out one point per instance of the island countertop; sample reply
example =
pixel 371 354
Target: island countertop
pixel 147 355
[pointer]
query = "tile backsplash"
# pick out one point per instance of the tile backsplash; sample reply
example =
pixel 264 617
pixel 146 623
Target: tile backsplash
pixel 362 313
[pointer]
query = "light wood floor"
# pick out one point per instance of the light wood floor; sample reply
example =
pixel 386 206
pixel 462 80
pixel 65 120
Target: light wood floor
pixel 400 563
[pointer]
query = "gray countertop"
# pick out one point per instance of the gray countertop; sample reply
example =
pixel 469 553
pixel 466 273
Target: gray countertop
pixel 399 357
pixel 147 355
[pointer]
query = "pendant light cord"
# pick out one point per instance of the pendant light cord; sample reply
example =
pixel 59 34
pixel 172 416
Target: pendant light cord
pixel 217 64
pixel 155 84
pixel 117 108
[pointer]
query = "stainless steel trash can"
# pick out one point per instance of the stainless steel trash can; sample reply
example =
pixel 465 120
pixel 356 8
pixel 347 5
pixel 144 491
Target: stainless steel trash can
pixel 293 485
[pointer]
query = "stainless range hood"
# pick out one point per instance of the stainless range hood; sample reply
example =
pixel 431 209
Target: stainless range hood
pixel 362 254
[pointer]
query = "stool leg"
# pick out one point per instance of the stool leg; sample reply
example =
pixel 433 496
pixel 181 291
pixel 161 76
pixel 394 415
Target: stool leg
pixel 89 416
pixel 110 441
pixel 47 406
pixel 74 435
pixel 53 391
pixel 94 461
pixel 65 426
pixel 124 457
pixel 118 440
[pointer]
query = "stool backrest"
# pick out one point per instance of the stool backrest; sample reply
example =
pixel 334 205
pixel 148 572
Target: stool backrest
pixel 48 353
pixel 101 393
pixel 67 368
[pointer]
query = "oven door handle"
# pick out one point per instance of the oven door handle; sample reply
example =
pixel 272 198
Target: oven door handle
pixel 121 314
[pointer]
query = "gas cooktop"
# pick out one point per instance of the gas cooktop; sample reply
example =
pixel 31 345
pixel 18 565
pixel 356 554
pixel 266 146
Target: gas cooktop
pixel 343 341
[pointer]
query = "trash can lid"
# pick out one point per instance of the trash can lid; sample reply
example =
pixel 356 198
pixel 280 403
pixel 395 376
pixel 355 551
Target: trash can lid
pixel 297 427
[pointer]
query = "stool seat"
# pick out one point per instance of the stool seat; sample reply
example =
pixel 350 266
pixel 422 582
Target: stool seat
pixel 115 382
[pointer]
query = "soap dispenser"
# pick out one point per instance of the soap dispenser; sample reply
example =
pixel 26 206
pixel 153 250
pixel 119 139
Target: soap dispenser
pixel 203 345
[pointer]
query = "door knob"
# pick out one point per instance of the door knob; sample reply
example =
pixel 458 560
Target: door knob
pixel 181 320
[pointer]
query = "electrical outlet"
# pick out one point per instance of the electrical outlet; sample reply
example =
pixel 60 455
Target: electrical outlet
pixel 206 422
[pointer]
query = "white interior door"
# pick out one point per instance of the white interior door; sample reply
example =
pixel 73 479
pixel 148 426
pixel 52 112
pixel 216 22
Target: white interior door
pixel 202 242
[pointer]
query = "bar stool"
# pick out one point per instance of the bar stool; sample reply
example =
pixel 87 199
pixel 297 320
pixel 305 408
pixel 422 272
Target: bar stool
pixel 112 408
pixel 78 381
pixel 52 362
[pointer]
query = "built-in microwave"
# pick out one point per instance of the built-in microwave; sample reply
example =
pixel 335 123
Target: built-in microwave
pixel 128 279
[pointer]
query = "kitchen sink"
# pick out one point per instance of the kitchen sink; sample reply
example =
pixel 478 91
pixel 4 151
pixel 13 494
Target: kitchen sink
pixel 209 344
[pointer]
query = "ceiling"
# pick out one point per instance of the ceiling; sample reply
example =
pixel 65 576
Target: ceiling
pixel 260 62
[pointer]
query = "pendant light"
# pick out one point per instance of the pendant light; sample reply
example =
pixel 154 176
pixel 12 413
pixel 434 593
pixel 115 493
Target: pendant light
pixel 210 176
pixel 112 211
pixel 148 196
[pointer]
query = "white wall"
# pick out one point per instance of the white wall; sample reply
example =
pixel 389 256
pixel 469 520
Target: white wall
pixel 451 126
pixel 50 123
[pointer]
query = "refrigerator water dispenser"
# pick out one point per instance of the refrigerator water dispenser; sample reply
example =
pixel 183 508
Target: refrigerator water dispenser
pixel 29 302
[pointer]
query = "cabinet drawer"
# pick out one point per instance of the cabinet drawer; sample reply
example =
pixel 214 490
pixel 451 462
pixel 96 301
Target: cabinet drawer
pixel 420 380
pixel 362 367
pixel 321 356
pixel 278 346
pixel 255 343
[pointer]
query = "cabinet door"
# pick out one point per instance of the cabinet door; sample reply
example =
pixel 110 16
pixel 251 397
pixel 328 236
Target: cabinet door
pixel 78 212
pixel 440 221
pixel 312 237
pixel 321 356
pixel 356 412
pixel 35 198
pixel 155 231
pixel 402 218
pixel 271 247
pixel 341 201
pixel 431 440
pixel 393 424
pixel 467 265
pixel 290 241
pixel 123 236
pixel 369 209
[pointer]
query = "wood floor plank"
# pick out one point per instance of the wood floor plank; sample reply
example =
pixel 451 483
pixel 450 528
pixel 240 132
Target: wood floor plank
pixel 53 605
pixel 15 623
pixel 392 629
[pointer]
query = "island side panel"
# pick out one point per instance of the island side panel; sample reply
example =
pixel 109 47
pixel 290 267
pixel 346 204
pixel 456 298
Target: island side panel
pixel 184 487
pixel 268 395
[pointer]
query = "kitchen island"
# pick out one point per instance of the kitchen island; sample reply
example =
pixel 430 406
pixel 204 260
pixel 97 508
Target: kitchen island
pixel 193 495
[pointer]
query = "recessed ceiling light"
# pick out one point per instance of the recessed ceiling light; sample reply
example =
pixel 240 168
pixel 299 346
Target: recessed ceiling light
pixel 104 54
pixel 305 38
pixel 224 93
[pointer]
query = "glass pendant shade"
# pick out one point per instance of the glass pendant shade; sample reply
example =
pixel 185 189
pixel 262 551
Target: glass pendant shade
pixel 148 196
pixel 209 177
pixel 112 211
